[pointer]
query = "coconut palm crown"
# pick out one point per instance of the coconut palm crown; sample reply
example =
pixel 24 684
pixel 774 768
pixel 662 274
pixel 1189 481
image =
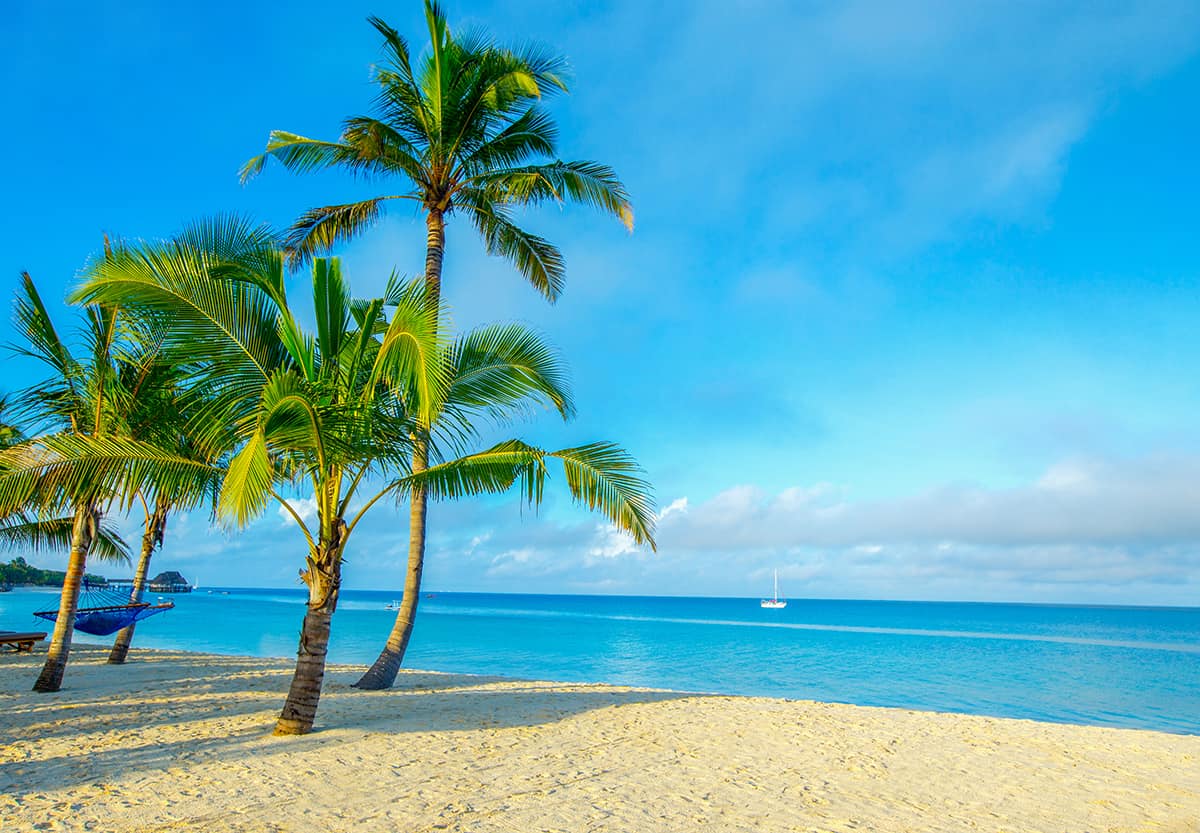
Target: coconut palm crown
pixel 464 131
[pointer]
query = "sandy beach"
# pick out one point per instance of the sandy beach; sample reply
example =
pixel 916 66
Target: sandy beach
pixel 178 741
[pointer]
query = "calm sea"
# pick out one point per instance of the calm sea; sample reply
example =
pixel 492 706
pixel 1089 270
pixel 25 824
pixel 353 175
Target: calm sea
pixel 1113 666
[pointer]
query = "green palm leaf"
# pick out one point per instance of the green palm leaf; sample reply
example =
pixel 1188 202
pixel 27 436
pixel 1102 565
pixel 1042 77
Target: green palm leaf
pixel 601 476
pixel 22 532
pixel 320 229
pixel 536 258
pixel 60 470
pixel 502 371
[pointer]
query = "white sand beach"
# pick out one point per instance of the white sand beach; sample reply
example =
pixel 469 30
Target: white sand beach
pixel 178 741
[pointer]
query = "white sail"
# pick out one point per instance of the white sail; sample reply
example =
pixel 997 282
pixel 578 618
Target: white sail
pixel 774 602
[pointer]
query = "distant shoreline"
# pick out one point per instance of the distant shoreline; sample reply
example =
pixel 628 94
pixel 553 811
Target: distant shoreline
pixel 386 594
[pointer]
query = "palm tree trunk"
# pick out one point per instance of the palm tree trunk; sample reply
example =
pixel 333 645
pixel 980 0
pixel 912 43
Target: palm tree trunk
pixel 383 673
pixel 323 577
pixel 83 532
pixel 156 525
pixel 435 250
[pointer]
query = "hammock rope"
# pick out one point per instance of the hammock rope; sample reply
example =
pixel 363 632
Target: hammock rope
pixel 104 610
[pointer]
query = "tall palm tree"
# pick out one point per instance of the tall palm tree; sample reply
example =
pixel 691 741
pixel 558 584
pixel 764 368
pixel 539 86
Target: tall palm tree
pixel 82 463
pixel 333 410
pixel 463 130
pixel 486 382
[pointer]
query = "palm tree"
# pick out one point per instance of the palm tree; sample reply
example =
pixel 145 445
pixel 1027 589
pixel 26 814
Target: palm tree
pixel 334 410
pixel 159 413
pixel 72 401
pixel 83 464
pixel 488 381
pixel 298 407
pixel 464 131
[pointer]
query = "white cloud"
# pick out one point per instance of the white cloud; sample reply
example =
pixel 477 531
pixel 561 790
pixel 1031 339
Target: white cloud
pixel 613 543
pixel 1094 501
pixel 677 506
pixel 1087 529
pixel 305 507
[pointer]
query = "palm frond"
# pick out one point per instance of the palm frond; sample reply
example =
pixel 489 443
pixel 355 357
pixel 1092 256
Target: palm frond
pixel 536 258
pixel 605 478
pixel 42 339
pixel 24 532
pixel 331 301
pixel 412 351
pixel 217 285
pixel 300 154
pixel 389 150
pixel 502 369
pixel 589 183
pixel 320 229
pixel 533 134
pixel 246 489
pixel 50 472
pixel 601 476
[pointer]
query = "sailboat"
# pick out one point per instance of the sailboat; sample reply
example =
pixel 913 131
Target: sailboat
pixel 774 603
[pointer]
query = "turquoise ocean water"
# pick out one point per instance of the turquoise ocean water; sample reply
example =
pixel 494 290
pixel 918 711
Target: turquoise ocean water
pixel 1113 666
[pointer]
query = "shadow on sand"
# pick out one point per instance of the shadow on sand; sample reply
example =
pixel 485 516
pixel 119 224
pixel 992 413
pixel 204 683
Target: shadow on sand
pixel 170 708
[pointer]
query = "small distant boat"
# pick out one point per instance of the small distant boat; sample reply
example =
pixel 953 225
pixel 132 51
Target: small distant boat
pixel 774 603
pixel 392 605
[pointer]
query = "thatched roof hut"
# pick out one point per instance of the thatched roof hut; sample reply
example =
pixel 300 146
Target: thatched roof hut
pixel 170 582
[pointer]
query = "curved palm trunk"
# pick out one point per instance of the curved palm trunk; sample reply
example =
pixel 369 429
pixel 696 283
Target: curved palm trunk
pixel 383 673
pixel 156 525
pixel 83 532
pixel 324 578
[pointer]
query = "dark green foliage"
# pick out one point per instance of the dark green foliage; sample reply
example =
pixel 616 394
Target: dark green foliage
pixel 18 571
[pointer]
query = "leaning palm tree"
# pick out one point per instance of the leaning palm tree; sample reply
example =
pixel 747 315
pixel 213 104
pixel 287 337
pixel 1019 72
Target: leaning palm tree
pixel 491 375
pixel 82 462
pixel 463 131
pixel 71 401
pixel 332 411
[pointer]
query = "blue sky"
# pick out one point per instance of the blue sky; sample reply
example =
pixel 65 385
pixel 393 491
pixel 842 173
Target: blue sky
pixel 909 311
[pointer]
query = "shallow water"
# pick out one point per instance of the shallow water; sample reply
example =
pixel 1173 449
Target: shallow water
pixel 1114 666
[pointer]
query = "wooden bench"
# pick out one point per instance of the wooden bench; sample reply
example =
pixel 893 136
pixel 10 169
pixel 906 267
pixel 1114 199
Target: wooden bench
pixel 21 641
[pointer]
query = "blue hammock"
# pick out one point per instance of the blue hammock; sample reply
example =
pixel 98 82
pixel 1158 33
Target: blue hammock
pixel 100 619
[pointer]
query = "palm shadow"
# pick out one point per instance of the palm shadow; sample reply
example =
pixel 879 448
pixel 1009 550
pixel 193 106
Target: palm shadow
pixel 188 708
